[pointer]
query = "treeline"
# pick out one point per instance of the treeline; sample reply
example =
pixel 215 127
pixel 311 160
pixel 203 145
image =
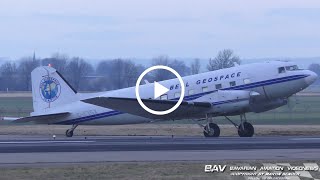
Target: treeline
pixel 84 76
pixel 107 74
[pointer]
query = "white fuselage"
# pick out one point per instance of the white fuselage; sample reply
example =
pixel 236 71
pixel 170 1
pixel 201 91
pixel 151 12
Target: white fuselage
pixel 263 78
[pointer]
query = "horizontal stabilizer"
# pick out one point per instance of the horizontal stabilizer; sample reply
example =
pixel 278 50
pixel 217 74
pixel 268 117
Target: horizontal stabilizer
pixel 43 119
pixel 131 106
pixel 10 118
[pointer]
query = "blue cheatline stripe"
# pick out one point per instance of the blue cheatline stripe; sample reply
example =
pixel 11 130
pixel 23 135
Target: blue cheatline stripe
pixel 268 82
pixel 191 97
pixel 229 101
pixel 88 118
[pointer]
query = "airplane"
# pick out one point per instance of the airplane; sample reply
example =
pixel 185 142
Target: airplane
pixel 256 87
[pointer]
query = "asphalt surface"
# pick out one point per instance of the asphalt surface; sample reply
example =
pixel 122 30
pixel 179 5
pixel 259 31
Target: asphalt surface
pixel 79 149
pixel 96 144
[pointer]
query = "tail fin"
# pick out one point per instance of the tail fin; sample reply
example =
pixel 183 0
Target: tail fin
pixel 50 89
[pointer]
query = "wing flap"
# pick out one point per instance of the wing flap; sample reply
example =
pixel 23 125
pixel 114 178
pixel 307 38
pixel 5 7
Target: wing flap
pixel 131 106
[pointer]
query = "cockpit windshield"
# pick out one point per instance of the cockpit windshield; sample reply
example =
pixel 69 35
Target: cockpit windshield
pixel 292 68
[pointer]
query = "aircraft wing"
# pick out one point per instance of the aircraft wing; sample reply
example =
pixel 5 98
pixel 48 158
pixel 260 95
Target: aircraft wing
pixel 42 119
pixel 131 106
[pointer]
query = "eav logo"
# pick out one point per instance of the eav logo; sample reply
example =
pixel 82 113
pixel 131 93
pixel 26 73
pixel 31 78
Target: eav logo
pixel 215 168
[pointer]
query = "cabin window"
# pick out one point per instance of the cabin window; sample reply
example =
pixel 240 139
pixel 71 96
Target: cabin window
pixel 246 81
pixel 164 97
pixel 205 89
pixel 281 70
pixel 232 83
pixel 191 91
pixel 177 94
pixel 218 86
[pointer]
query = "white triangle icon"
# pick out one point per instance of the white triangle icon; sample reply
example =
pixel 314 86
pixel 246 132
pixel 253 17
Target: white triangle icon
pixel 159 90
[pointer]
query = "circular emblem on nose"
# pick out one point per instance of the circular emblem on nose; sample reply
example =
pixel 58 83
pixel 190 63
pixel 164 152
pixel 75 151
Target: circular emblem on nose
pixel 49 89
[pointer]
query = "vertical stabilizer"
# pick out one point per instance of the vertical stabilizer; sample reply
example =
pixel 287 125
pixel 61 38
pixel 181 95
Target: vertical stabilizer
pixel 50 89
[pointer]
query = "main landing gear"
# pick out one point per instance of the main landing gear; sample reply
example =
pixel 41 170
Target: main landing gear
pixel 69 132
pixel 210 129
pixel 245 129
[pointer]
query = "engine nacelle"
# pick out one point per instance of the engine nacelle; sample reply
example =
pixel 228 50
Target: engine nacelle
pixel 229 102
pixel 268 105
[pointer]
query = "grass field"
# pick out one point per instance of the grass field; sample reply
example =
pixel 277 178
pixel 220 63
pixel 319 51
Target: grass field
pixel 134 171
pixel 15 106
pixel 301 110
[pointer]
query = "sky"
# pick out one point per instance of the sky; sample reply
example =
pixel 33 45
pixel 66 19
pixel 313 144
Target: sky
pixel 149 28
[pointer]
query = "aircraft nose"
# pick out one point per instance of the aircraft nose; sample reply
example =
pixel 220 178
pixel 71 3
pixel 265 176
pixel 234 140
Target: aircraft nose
pixel 311 78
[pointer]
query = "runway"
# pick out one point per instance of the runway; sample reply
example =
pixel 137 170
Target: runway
pixel 132 143
pixel 36 149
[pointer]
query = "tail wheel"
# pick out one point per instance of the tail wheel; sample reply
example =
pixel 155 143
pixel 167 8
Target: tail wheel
pixel 213 132
pixel 69 133
pixel 246 131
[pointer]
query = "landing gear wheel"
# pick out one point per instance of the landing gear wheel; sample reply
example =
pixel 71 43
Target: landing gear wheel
pixel 69 133
pixel 246 131
pixel 214 130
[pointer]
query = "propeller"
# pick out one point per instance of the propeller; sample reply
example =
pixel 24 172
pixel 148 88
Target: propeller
pixel 292 101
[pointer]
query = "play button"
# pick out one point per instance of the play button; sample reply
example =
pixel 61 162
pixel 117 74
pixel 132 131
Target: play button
pixel 159 90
